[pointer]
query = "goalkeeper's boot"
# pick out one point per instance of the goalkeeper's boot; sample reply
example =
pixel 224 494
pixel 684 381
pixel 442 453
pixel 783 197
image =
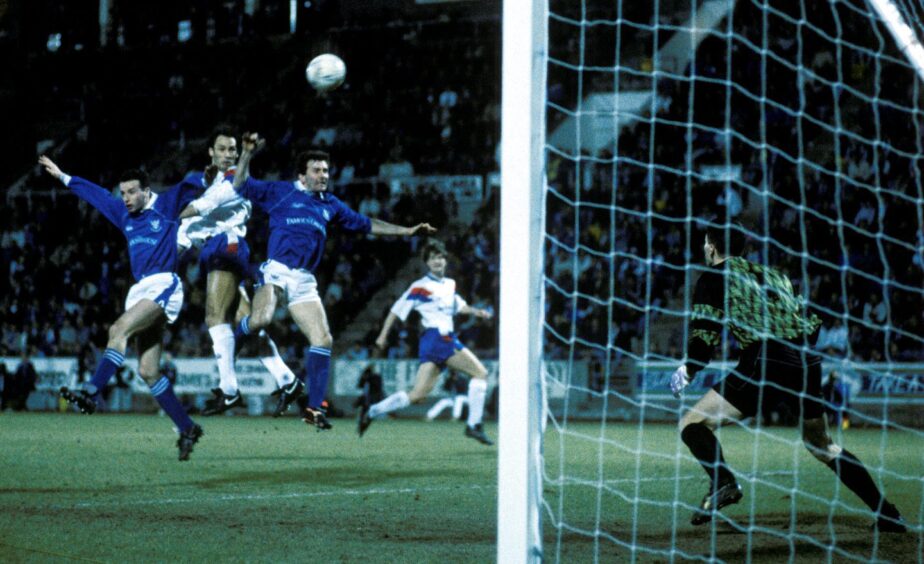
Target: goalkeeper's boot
pixel 187 440
pixel 890 520
pixel 315 416
pixel 715 500
pixel 81 398
pixel 477 432
pixel 287 395
pixel 222 402
pixel 364 420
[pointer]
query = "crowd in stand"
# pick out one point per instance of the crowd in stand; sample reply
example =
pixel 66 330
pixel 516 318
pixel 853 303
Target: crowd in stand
pixel 60 291
pixel 827 186
pixel 615 263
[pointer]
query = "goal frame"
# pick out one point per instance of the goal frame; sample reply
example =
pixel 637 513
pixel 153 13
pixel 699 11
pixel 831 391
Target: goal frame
pixel 519 479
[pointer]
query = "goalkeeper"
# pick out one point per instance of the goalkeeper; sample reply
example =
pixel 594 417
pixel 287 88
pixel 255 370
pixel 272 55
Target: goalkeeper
pixel 776 364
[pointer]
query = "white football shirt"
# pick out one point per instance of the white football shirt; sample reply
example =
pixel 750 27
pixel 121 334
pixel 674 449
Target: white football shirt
pixel 228 217
pixel 434 299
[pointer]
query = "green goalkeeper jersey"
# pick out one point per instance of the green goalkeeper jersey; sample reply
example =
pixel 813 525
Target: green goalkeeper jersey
pixel 756 302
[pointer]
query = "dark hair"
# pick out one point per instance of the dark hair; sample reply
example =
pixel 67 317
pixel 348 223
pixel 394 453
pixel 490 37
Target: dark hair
pixel 301 162
pixel 730 240
pixel 136 174
pixel 223 130
pixel 433 247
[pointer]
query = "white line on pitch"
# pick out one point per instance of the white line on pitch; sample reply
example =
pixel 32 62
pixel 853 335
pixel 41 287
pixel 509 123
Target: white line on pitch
pixel 258 497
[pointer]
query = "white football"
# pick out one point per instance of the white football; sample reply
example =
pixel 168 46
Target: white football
pixel 326 72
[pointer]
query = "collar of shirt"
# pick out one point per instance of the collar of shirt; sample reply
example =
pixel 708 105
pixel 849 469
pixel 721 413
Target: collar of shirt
pixel 431 276
pixel 303 188
pixel 151 201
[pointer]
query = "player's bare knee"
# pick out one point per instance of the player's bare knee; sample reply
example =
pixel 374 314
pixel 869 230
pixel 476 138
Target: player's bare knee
pixel 260 320
pixel 150 376
pixel 692 417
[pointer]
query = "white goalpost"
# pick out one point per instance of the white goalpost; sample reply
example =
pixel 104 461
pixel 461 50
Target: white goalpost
pixel 522 224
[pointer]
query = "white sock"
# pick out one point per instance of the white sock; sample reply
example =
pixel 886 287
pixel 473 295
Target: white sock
pixel 477 389
pixel 274 363
pixel 394 402
pixel 438 408
pixel 457 406
pixel 223 345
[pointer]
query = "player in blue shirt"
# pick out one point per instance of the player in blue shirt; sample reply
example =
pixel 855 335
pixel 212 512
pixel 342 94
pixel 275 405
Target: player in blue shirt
pixel 225 257
pixel 149 223
pixel 300 213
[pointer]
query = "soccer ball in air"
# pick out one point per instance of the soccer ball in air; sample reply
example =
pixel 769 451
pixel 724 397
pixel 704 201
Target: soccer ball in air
pixel 326 72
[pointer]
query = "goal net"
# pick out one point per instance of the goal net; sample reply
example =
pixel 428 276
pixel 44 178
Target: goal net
pixel 629 127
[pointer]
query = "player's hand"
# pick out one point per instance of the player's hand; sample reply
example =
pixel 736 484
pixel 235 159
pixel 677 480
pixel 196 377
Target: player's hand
pixel 485 313
pixel 210 173
pixel 679 381
pixel 252 142
pixel 50 167
pixel 425 227
pixel 379 349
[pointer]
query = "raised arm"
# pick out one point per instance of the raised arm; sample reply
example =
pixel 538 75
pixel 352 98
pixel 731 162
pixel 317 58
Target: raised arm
pixel 97 196
pixel 251 143
pixel 380 227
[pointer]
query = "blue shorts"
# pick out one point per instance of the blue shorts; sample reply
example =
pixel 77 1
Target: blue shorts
pixel 218 254
pixel 438 348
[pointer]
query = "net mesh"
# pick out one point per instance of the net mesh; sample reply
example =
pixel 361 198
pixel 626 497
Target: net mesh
pixel 801 122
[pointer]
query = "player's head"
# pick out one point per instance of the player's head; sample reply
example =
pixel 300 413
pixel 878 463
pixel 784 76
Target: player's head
pixel 223 147
pixel 135 189
pixel 313 169
pixel 722 242
pixel 435 256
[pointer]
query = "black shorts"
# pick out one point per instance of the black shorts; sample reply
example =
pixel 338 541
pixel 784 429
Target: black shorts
pixel 773 373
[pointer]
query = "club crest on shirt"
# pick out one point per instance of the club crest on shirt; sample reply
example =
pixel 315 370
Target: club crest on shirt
pixel 298 205
pixel 155 225
pixel 129 228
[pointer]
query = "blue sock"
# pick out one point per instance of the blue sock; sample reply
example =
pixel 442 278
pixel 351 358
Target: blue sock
pixel 242 329
pixel 105 370
pixel 318 373
pixel 163 393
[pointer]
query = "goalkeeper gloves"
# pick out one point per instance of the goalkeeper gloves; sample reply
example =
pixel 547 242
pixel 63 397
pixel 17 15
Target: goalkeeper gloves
pixel 679 381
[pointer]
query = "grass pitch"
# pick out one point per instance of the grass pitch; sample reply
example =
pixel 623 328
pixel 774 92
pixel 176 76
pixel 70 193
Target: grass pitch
pixel 109 488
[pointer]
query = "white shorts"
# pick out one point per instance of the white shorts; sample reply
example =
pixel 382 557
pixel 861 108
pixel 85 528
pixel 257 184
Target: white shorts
pixel 299 285
pixel 164 289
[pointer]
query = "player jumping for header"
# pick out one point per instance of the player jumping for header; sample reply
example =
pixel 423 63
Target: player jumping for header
pixel 300 213
pixel 149 223
pixel 776 365
pixel 225 257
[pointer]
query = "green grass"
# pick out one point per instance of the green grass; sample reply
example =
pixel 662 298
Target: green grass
pixel 109 488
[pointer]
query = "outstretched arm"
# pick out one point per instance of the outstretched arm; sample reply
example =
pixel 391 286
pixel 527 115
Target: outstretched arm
pixel 96 196
pixel 477 312
pixel 52 169
pixel 380 227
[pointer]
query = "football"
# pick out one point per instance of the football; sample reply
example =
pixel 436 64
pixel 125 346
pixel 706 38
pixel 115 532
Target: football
pixel 326 72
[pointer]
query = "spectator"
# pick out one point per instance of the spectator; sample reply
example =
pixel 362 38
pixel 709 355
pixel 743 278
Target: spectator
pixel 24 380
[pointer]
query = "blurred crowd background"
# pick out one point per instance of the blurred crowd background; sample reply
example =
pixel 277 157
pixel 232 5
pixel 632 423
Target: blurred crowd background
pixel 826 143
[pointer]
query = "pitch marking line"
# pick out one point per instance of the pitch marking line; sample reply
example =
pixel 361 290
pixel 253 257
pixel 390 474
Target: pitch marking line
pixel 260 497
